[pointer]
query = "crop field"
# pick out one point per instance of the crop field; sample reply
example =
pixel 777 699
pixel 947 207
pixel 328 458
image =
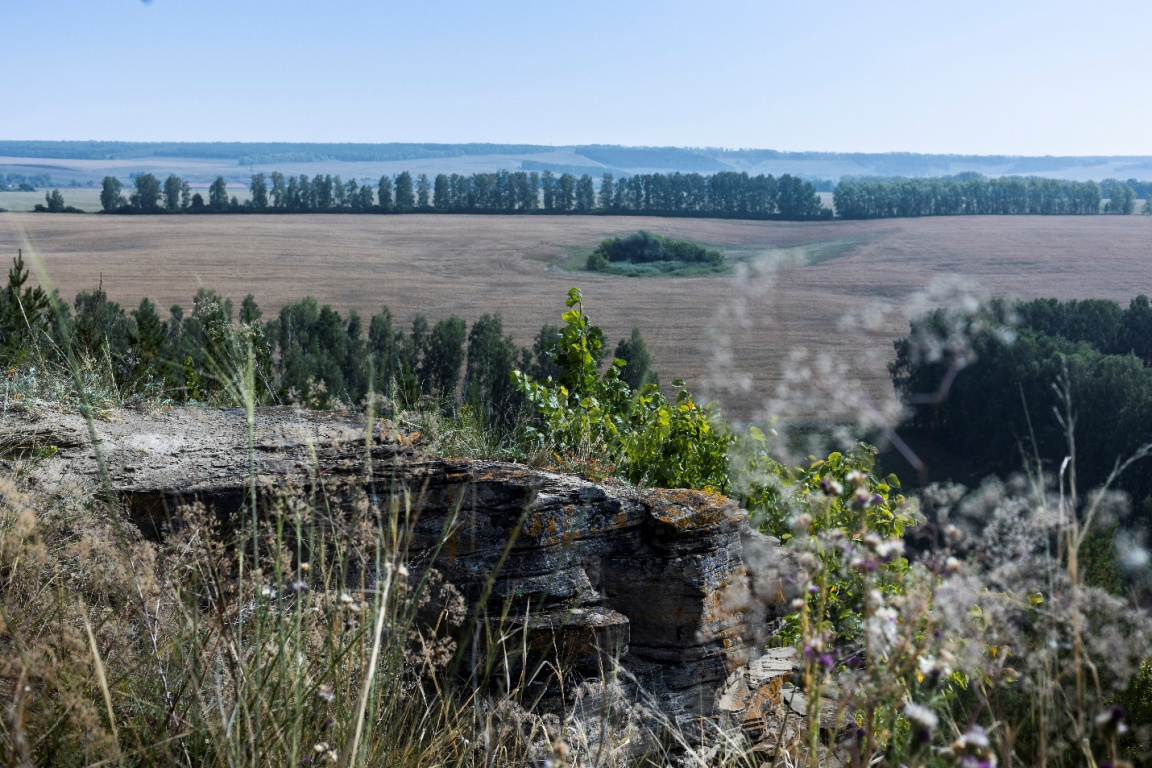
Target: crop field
pixel 841 290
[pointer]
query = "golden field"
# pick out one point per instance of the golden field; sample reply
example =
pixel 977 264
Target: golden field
pixel 730 337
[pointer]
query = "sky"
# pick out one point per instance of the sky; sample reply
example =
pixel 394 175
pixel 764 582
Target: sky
pixel 1020 77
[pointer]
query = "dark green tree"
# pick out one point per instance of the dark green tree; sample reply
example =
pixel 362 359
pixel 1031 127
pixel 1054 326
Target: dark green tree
pixel 423 191
pixel 279 190
pixel 23 312
pixel 385 354
pixel 110 198
pixel 54 201
pixel 415 347
pixel 259 189
pixel 366 198
pixel 249 310
pixel 565 192
pixel 148 338
pixel 548 183
pixel 607 190
pixel 540 365
pixel 440 192
pixel 405 199
pixel 637 370
pixel 102 331
pixel 146 198
pixel 443 360
pixel 384 193
pixel 218 195
pixel 585 194
pixel 172 188
pixel 492 357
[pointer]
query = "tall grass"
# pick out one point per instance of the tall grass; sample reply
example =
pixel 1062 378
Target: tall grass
pixel 299 633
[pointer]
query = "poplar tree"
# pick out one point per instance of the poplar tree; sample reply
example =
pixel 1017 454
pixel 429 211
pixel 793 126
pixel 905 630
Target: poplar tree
pixel 405 199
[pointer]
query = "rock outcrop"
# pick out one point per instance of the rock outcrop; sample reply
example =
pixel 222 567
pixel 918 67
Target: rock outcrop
pixel 656 578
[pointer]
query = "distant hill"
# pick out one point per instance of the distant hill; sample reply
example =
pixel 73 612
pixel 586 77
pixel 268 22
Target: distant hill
pixel 83 162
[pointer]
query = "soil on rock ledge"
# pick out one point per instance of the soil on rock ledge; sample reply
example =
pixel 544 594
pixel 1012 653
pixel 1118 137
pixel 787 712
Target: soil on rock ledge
pixel 654 577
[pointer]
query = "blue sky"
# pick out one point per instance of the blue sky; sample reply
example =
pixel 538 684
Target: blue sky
pixel 1004 77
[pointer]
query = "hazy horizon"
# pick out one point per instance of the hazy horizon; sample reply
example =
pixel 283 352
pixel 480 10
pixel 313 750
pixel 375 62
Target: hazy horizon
pixel 982 79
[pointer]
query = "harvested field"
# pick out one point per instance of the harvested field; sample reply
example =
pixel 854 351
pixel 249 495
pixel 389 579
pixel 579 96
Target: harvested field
pixel 730 337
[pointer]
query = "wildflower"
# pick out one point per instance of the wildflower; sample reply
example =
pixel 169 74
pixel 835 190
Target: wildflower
pixel 920 717
pixel 801 522
pixel 304 567
pixel 974 749
pixel 1110 722
pixel 403 571
pixel 882 628
pixel 885 549
pixel 346 598
pixel 861 499
pixel 856 478
pixel 325 692
pixel 933 667
pixel 831 486
pixel 952 565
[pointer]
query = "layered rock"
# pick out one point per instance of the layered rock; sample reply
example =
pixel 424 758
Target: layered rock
pixel 655 578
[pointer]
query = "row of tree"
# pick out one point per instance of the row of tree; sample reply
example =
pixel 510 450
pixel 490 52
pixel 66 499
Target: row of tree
pixel 718 194
pixel 727 193
pixel 858 199
pixel 993 398
pixel 308 353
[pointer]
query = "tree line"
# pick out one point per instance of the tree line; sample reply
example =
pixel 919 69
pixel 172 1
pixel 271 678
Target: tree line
pixel 720 194
pixel 999 407
pixel 864 199
pixel 309 353
pixel 24 183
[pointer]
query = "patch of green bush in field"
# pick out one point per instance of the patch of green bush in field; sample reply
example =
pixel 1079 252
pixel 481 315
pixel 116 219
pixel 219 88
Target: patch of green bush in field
pixel 645 253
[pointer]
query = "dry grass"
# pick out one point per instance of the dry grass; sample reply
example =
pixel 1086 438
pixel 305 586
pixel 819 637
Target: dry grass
pixel 728 337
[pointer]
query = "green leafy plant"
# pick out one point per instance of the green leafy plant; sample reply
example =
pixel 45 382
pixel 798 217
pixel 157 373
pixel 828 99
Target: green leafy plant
pixel 838 498
pixel 678 444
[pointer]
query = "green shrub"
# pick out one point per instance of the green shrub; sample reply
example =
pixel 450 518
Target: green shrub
pixel 644 247
pixel 650 440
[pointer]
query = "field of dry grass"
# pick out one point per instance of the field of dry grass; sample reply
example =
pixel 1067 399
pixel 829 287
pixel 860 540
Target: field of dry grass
pixel 730 337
